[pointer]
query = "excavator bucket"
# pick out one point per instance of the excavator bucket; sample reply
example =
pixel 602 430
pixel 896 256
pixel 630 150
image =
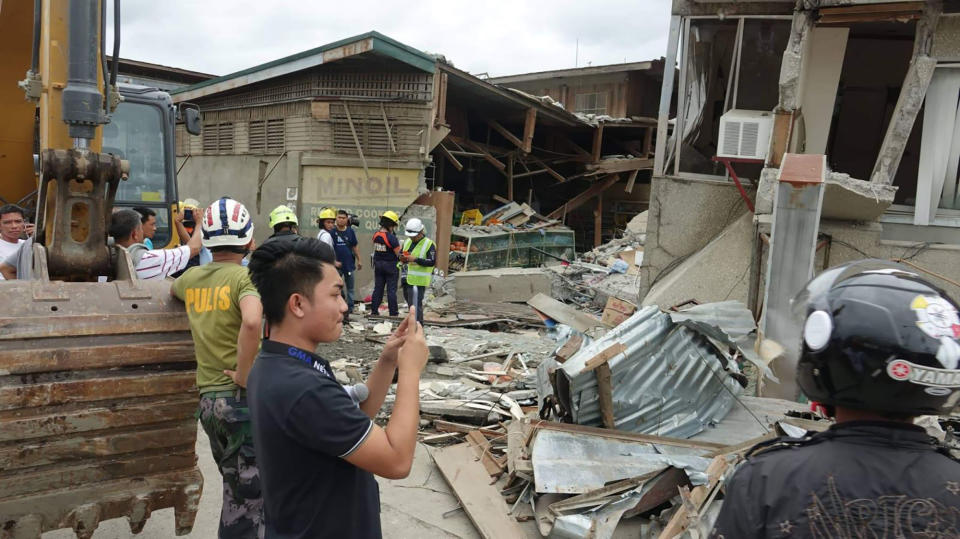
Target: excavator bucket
pixel 97 403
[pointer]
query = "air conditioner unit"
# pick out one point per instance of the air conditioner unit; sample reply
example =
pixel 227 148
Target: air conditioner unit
pixel 745 134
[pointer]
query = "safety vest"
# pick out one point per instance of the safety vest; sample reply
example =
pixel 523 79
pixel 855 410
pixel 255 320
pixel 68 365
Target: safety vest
pixel 418 275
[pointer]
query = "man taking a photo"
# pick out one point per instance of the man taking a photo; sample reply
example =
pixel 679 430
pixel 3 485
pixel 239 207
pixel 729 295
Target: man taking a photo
pixel 318 449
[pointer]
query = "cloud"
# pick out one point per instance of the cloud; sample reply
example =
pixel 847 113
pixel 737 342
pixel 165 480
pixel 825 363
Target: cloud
pixel 498 37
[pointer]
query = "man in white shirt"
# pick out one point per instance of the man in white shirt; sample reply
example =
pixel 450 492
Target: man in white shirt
pixel 127 232
pixel 327 221
pixel 12 226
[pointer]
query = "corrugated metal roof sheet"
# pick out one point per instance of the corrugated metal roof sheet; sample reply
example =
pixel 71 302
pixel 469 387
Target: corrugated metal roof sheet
pixel 670 380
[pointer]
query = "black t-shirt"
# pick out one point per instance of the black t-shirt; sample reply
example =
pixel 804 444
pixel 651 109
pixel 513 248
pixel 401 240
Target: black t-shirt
pixel 857 479
pixel 304 424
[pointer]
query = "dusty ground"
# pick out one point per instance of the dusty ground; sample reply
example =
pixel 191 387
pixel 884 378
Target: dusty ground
pixel 419 506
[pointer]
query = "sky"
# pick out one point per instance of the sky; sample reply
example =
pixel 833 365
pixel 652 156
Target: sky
pixel 496 37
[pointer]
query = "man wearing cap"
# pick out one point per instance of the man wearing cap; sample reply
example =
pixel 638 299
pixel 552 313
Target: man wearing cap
pixel 419 257
pixel 284 223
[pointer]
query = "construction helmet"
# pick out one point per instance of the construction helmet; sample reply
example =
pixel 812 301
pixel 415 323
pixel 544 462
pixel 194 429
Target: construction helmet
pixel 190 203
pixel 878 337
pixel 414 227
pixel 392 215
pixel 226 222
pixel 327 213
pixel 282 214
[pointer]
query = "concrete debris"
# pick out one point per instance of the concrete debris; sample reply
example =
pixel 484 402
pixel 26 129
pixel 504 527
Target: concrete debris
pixel 501 284
pixel 844 198
pixel 556 311
pixel 383 328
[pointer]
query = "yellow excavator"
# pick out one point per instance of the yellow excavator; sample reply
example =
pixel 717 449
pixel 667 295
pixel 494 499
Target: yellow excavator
pixel 97 371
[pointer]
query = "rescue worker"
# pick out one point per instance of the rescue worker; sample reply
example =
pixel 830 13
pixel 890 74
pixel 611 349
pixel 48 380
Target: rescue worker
pixel 419 257
pixel 386 250
pixel 326 221
pixel 284 223
pixel 880 347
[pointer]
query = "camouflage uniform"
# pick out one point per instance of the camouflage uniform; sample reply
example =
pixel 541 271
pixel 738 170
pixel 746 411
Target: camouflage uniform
pixel 226 420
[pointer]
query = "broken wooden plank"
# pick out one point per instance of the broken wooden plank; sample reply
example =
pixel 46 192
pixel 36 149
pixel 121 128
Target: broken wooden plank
pixel 481 448
pixel 450 157
pixel 584 197
pixel 356 140
pixel 605 394
pixel 679 522
pixel 605 355
pixel 480 500
pixel 505 133
pixel 443 437
pixel 609 166
pixel 450 426
pixel 529 123
pixel 625 435
pixel 563 313
pixel 597 143
pixel 572 346
pixel 631 180
pixel 486 155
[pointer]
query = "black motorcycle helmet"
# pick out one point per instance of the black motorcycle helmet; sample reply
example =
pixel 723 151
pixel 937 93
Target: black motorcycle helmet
pixel 878 337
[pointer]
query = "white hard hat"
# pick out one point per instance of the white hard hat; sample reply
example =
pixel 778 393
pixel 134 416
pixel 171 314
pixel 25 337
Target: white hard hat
pixel 414 227
pixel 226 222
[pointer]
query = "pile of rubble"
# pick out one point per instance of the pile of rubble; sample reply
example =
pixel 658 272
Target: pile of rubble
pixel 627 423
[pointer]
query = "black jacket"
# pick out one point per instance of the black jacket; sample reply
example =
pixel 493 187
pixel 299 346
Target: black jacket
pixel 857 479
pixel 282 235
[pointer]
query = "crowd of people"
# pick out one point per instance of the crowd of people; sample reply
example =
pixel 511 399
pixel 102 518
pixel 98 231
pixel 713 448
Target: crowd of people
pixel 298 451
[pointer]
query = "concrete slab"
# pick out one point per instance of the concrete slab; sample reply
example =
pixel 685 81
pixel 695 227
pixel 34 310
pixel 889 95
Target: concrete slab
pixel 845 198
pixel 501 285
pixel 718 272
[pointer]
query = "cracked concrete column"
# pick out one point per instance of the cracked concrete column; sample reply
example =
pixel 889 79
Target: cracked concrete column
pixel 912 94
pixel 791 71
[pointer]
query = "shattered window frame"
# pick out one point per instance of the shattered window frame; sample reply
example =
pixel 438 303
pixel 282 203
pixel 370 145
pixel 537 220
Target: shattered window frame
pixel 672 161
pixel 597 104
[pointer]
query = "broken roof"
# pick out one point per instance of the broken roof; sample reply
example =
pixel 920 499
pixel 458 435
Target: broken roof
pixel 574 72
pixel 370 43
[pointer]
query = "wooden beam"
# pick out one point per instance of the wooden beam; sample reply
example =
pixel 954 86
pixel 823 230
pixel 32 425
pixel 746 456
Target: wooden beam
pixel 386 125
pixel 597 143
pixel 546 168
pixel 510 161
pixel 450 157
pixel 609 166
pixel 585 196
pixel 627 436
pixel 356 140
pixel 631 180
pixel 648 142
pixel 679 522
pixel 577 149
pixel 479 148
pixel 529 124
pixel 505 133
pixel 441 118
pixel 605 394
pixel 598 222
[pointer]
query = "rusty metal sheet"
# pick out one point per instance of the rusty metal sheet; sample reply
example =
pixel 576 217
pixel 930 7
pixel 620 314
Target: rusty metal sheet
pixel 97 402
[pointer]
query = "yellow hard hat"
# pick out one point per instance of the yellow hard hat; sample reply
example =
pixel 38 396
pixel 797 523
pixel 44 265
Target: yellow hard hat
pixel 190 203
pixel 392 215
pixel 282 214
pixel 327 213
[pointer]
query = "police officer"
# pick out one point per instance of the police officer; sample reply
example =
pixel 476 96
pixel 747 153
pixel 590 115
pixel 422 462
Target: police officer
pixel 284 223
pixel 386 250
pixel 419 257
pixel 880 347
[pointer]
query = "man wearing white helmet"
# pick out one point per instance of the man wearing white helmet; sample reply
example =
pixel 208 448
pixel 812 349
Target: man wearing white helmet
pixel 419 257
pixel 225 315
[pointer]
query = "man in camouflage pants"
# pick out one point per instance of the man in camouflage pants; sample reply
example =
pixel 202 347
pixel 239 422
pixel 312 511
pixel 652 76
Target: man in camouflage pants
pixel 226 420
pixel 225 314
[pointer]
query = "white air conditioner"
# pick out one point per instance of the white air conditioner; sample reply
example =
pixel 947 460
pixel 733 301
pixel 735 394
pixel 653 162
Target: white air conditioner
pixel 745 134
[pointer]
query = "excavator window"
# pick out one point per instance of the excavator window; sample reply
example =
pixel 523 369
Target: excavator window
pixel 135 133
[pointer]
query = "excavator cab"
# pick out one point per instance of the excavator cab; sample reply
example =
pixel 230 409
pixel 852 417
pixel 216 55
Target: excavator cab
pixel 97 367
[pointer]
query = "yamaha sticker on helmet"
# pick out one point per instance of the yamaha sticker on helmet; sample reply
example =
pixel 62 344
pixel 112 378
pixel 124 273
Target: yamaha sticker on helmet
pixel 905 371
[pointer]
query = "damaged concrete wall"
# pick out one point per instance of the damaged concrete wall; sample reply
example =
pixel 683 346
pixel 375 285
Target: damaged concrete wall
pixel 207 178
pixel 684 216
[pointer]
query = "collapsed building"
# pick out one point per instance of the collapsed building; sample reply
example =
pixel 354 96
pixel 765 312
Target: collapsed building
pixel 369 124
pixel 871 86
